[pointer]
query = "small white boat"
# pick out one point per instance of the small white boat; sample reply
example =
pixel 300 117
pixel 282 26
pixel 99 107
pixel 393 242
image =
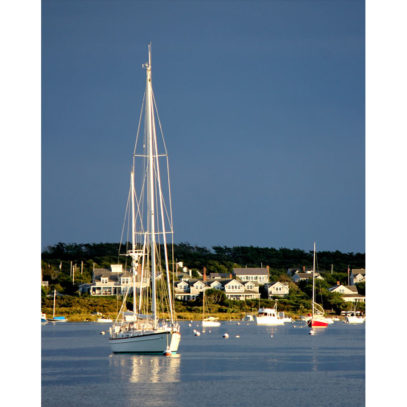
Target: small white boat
pixel 268 316
pixel 210 322
pixel 285 319
pixel 248 318
pixel 43 317
pixel 104 320
pixel 354 318
pixel 55 318
pixel 58 319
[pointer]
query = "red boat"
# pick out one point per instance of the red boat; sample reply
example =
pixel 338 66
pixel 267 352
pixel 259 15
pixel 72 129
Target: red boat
pixel 317 319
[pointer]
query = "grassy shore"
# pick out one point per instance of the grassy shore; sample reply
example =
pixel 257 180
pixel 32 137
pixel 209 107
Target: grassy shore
pixel 81 309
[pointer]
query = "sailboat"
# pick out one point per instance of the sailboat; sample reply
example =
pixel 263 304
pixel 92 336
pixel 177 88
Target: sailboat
pixel 208 322
pixel 55 318
pixel 149 219
pixel 317 320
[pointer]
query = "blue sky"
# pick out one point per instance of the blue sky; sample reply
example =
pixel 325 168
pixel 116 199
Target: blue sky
pixel 262 105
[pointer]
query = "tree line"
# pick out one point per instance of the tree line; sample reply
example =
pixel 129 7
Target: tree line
pixel 217 258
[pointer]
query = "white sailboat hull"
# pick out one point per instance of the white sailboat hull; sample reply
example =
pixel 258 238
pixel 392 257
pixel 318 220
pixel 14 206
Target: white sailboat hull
pixel 155 342
pixel 269 321
pixel 210 324
pixel 354 320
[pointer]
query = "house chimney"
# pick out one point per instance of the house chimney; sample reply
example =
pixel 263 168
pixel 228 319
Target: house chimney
pixel 204 274
pixel 303 269
pixel 230 276
pixel 338 283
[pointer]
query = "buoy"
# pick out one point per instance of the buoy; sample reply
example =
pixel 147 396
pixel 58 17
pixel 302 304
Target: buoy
pixel 238 323
pixel 237 336
pixel 167 352
pixel 189 325
pixel 271 336
pixel 311 332
pixel 225 335
pixel 197 333
pixel 210 331
pixel 102 332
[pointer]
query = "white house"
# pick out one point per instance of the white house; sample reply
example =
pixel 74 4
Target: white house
pixel 233 288
pixel 114 281
pixel 182 286
pixel 349 293
pixel 236 290
pixel 277 289
pixel 216 285
pixel 357 276
pixel 260 275
pixel 251 286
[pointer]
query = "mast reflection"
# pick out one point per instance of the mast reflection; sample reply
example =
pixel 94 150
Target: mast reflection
pixel 146 369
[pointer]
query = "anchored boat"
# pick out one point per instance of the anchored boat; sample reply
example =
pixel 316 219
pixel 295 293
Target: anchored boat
pixel 268 316
pixel 208 322
pixel 318 319
pixel 149 217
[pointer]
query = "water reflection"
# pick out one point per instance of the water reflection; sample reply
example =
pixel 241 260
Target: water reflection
pixel 146 369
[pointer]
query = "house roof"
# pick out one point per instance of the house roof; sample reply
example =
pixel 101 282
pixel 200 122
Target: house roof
pixel 195 280
pixel 250 271
pixel 277 282
pixel 227 281
pixel 249 282
pixel 358 271
pixel 218 275
pixel 306 275
pixel 113 276
pixel 349 287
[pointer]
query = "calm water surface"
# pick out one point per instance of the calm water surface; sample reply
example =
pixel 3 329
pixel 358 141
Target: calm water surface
pixel 279 366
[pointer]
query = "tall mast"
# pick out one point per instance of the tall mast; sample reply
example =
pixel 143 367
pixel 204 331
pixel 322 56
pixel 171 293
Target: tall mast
pixel 313 281
pixel 150 180
pixel 53 308
pixel 134 259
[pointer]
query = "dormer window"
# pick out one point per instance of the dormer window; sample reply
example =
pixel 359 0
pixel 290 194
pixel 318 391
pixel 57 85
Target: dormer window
pixel 104 280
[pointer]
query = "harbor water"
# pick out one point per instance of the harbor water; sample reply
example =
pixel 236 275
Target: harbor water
pixel 255 366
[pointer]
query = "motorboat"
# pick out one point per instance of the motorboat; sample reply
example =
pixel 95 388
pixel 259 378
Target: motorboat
pixel 268 316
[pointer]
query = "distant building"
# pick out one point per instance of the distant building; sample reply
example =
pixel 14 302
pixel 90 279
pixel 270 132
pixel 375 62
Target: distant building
pixel 277 289
pixel 233 288
pixel 236 290
pixel 297 277
pixel 292 271
pixel 113 282
pixel 260 275
pixel 357 276
pixel 348 293
pixel 218 276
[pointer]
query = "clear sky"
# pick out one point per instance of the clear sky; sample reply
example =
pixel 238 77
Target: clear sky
pixel 262 105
